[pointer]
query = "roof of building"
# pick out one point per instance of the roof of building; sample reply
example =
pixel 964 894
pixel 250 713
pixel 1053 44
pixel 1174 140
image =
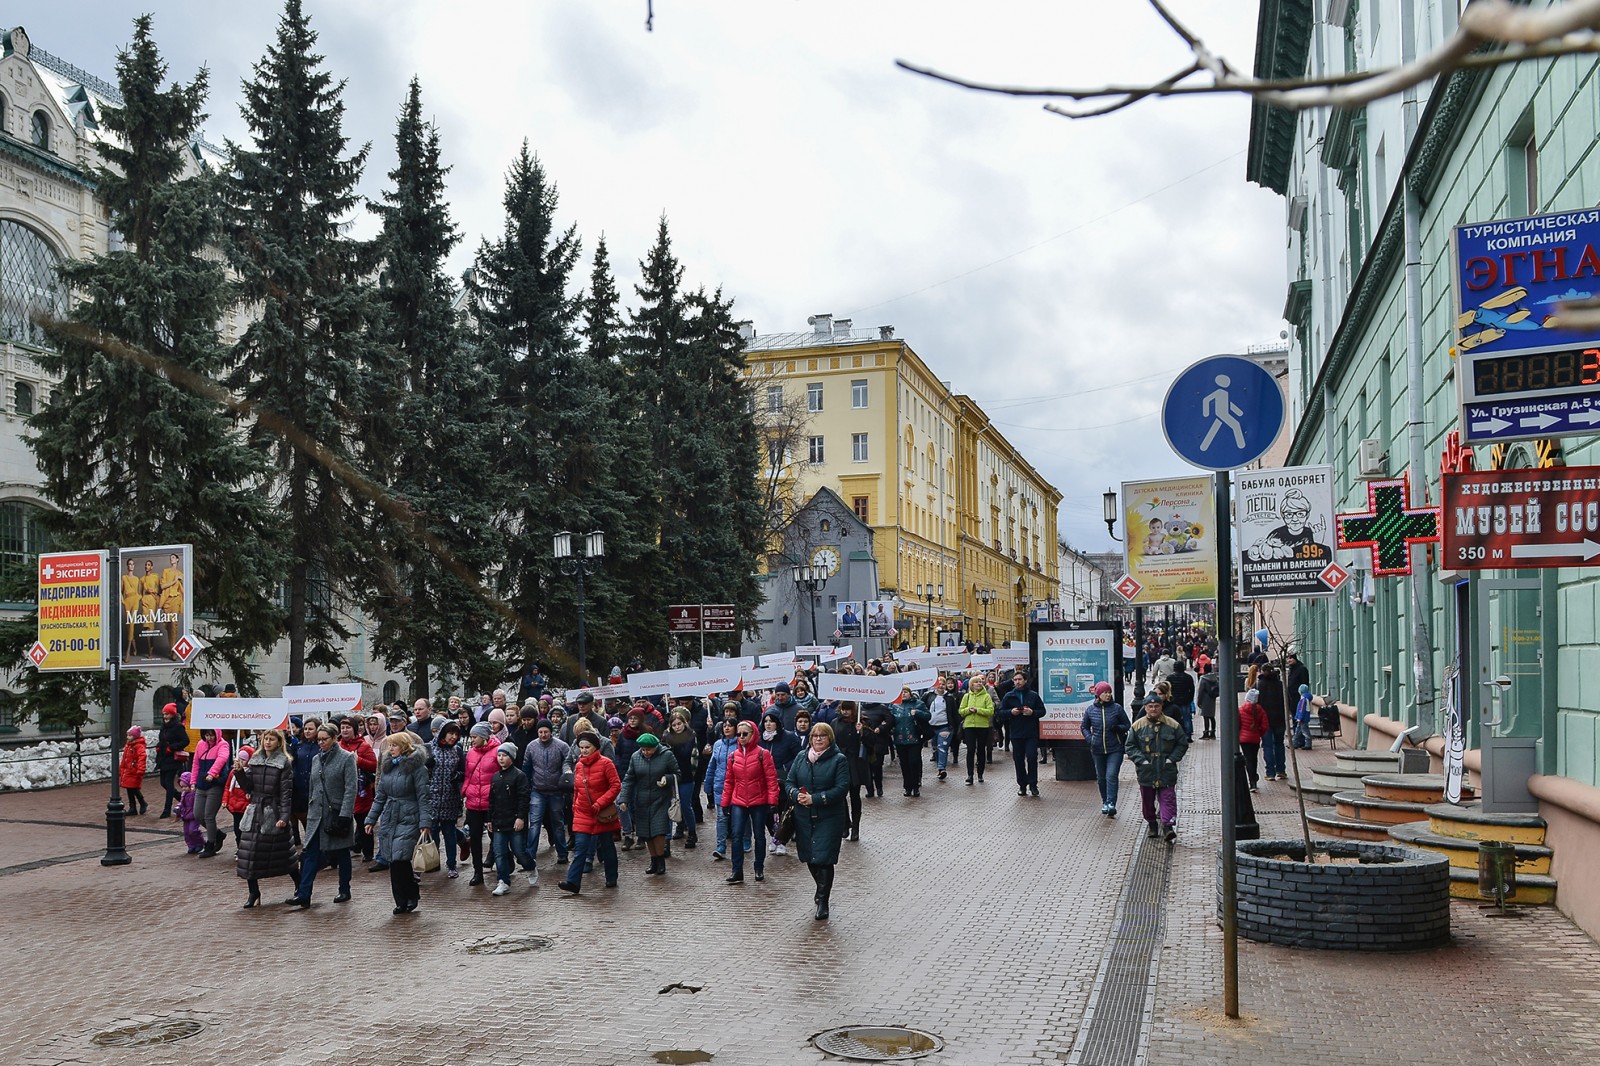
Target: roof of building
pixel 812 339
pixel 1283 42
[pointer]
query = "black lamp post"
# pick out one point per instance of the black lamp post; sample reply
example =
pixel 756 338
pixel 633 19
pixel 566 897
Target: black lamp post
pixel 1108 501
pixel 985 598
pixel 808 579
pixel 930 593
pixel 580 566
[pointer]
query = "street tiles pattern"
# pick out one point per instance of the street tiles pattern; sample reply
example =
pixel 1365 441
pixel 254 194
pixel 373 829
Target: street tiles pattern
pixel 971 913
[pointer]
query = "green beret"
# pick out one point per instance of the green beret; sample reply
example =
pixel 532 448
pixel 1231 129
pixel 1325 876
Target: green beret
pixel 648 740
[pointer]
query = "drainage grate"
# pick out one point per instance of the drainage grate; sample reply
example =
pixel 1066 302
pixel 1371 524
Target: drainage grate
pixel 1114 1032
pixel 145 1034
pixel 509 945
pixel 885 1043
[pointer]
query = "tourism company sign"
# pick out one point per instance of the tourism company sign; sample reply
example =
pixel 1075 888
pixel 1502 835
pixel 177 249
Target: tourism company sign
pixel 72 629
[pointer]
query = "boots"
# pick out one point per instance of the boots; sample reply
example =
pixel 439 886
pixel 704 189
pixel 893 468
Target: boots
pixel 1155 830
pixel 627 843
pixel 658 865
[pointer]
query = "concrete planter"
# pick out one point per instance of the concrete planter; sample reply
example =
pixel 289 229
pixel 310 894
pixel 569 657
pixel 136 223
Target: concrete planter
pixel 1394 899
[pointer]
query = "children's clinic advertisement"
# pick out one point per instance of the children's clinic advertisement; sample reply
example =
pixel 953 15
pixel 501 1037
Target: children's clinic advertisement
pixel 1171 547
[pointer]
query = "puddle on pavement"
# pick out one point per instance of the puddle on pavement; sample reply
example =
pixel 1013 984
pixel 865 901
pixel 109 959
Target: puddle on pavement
pixel 678 988
pixel 682 1056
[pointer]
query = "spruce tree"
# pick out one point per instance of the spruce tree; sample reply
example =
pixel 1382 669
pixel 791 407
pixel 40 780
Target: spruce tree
pixel 526 317
pixel 429 610
pixel 305 362
pixel 135 446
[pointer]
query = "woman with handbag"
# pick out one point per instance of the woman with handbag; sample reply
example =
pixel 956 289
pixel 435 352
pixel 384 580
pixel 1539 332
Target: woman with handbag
pixel 649 791
pixel 402 813
pixel 684 744
pixel 817 786
pixel 596 821
pixel 210 777
pixel 265 846
pixel 351 740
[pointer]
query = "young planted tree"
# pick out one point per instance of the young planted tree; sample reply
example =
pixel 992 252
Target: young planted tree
pixel 306 363
pixel 429 608
pixel 135 446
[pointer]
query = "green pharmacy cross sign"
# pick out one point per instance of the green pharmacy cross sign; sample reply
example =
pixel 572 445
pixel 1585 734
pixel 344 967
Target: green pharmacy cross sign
pixel 1389 527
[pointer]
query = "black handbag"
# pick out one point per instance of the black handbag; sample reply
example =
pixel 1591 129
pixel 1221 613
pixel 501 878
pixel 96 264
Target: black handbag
pixel 785 831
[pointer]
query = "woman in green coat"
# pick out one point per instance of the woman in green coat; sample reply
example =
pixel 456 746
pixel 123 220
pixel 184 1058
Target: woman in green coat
pixel 977 714
pixel 648 790
pixel 818 788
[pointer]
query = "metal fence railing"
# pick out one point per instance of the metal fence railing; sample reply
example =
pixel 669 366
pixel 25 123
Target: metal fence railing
pixel 58 763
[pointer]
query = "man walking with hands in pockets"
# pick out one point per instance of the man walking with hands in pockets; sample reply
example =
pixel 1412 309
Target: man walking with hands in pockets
pixel 1156 744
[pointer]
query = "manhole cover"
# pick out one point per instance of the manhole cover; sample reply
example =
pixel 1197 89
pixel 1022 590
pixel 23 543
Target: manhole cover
pixel 509 945
pixel 879 1043
pixel 143 1034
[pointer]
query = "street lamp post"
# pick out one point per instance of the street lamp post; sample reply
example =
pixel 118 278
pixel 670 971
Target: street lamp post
pixel 579 566
pixel 985 597
pixel 930 593
pixel 808 579
pixel 1108 501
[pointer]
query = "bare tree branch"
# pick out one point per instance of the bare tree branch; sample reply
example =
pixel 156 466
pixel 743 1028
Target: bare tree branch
pixel 1569 28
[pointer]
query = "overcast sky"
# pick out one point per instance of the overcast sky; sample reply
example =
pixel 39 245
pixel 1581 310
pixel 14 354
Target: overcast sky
pixel 1059 272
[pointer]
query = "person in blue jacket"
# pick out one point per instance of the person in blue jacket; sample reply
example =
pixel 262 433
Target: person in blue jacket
pixel 910 722
pixel 1021 710
pixel 1105 728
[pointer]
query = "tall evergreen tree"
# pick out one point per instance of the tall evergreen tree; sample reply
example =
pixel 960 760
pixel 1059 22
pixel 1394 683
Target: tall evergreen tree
pixel 526 314
pixel 428 609
pixel 135 446
pixel 306 364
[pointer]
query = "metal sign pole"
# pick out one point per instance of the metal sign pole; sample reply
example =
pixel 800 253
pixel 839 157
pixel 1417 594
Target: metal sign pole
pixel 1228 719
pixel 116 814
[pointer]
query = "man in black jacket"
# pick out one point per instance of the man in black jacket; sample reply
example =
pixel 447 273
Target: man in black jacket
pixel 1021 710
pixel 1206 693
pixel 1182 683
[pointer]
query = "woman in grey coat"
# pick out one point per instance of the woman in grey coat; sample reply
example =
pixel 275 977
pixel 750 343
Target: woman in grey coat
pixel 647 791
pixel 402 812
pixel 330 816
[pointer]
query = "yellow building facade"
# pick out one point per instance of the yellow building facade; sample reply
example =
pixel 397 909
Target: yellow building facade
pixel 952 503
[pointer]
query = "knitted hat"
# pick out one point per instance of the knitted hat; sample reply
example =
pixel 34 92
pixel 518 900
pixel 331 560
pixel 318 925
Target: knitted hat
pixel 497 717
pixel 185 778
pixel 1102 687
pixel 507 749
pixel 1153 698
pixel 544 723
pixel 1252 696
pixel 781 686
pixel 648 740
pixel 547 698
pixel 482 729
pixel 135 732
pixel 171 708
pixel 613 722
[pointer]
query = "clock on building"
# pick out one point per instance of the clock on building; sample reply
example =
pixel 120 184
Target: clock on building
pixel 827 558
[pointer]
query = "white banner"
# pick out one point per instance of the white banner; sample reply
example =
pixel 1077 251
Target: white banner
pixel 918 681
pixel 322 701
pixel 728 660
pixel 704 682
pixel 601 692
pixel 249 715
pixel 843 651
pixel 759 677
pixel 651 682
pixel 981 662
pixel 858 687
pixel 1009 657
pixel 813 649
pixel 776 658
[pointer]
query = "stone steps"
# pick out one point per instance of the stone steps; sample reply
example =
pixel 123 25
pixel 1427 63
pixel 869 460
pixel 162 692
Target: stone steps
pixel 1338 778
pixel 1368 762
pixel 1456 830
pixel 1381 812
pixel 1534 889
pixel 1468 822
pixel 1463 853
pixel 1410 788
pixel 1314 793
pixel 1335 824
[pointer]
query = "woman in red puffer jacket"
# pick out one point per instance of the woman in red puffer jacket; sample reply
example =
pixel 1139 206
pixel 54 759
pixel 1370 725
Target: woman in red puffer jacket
pixel 475 786
pixel 1252 727
pixel 749 791
pixel 596 822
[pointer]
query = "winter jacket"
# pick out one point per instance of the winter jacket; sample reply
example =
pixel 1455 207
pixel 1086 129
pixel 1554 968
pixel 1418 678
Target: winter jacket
pixel 1105 727
pixel 1252 723
pixel 977 710
pixel 950 703
pixel 595 784
pixel 172 742
pixel 211 760
pixel 366 757
pixel 423 729
pixel 877 727
pixel 544 765
pixel 685 747
pixel 909 718
pixel 264 849
pixel 445 781
pixel 1182 687
pixel 820 827
pixel 130 773
pixel 1206 693
pixel 751 779
pixel 848 738
pixel 401 808
pixel 1270 688
pixel 480 771
pixel 331 794
pixel 1156 747
pixel 718 770
pixel 786 712
pixel 1021 726
pixel 783 748
pixel 303 751
pixel 648 801
pixel 508 799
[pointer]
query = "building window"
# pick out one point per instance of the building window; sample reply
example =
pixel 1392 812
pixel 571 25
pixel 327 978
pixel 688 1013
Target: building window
pixel 1522 168
pixel 814 396
pixel 774 397
pixel 775 454
pixel 22 538
pixel 858 393
pixel 858 447
pixel 41 131
pixel 859 505
pixel 816 451
pixel 23 399
pixel 391 691
pixel 28 283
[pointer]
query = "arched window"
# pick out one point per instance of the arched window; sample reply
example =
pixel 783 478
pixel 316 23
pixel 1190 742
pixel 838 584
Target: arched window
pixel 24 399
pixel 2 114
pixel 391 691
pixel 41 131
pixel 28 283
pixel 22 538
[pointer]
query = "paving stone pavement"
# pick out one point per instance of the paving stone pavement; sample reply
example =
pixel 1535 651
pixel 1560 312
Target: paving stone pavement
pixel 971 913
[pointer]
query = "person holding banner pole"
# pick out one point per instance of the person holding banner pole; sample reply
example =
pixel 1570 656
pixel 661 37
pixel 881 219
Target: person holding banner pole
pixel 847 736
pixel 210 776
pixel 910 718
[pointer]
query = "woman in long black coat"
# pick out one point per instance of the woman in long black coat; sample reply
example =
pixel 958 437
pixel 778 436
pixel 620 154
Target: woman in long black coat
pixel 265 846
pixel 847 734
pixel 818 786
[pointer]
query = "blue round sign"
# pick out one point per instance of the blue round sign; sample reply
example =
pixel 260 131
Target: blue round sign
pixel 1223 412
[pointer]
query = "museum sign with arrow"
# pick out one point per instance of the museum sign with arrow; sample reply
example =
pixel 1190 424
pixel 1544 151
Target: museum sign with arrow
pixel 1522 519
